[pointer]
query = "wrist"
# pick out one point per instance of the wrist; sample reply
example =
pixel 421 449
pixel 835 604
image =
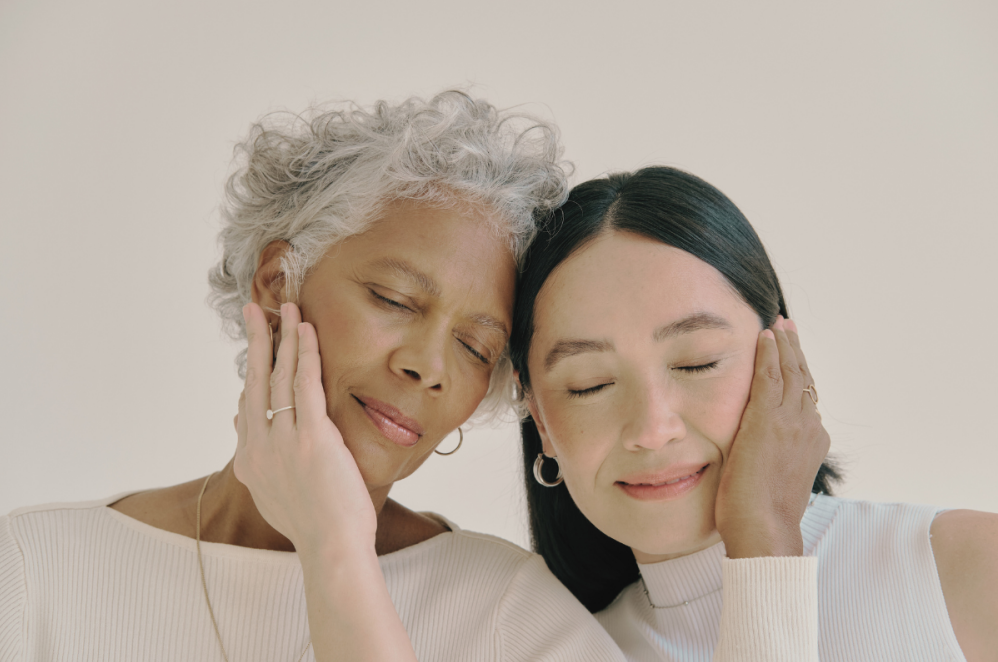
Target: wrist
pixel 336 554
pixel 760 542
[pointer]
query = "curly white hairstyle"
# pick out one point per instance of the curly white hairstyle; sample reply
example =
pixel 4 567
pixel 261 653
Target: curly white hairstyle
pixel 315 179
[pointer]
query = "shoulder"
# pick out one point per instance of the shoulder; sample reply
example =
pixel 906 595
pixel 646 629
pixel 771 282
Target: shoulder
pixel 40 510
pixel 51 517
pixel 464 551
pixel 456 557
pixel 867 525
pixel 538 614
pixel 13 593
pixel 52 531
pixel 529 612
pixel 964 543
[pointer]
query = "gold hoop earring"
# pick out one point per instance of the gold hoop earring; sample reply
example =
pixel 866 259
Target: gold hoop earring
pixel 460 441
pixel 538 463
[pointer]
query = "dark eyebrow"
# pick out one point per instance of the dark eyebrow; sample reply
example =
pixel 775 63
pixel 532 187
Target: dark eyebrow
pixel 694 322
pixel 565 348
pixel 410 273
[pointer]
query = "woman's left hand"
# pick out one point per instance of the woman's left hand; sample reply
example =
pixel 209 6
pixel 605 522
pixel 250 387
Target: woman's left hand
pixel 303 479
pixel 780 445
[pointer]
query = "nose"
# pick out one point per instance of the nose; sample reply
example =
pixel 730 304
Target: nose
pixel 655 420
pixel 421 360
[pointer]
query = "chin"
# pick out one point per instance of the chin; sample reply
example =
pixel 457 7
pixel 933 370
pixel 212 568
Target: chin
pixel 674 546
pixel 665 533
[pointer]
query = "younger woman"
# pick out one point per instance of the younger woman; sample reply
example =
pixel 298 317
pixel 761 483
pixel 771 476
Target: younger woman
pixel 638 328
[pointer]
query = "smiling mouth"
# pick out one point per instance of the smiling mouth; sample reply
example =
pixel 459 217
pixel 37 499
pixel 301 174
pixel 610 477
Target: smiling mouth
pixel 390 422
pixel 665 489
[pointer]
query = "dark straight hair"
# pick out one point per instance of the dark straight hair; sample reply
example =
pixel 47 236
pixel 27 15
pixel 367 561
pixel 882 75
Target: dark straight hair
pixel 675 208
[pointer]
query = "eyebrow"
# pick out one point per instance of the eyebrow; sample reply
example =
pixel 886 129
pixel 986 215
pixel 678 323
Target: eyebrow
pixel 565 348
pixel 410 273
pixel 492 324
pixel 695 322
pixel 424 282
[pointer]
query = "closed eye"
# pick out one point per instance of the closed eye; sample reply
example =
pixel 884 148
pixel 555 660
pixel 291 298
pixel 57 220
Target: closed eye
pixel 390 303
pixel 478 355
pixel 693 369
pixel 588 391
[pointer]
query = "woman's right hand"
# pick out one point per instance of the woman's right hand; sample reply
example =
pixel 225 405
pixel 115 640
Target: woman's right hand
pixel 780 445
pixel 303 479
pixel 306 484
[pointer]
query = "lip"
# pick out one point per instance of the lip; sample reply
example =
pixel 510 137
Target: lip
pixel 671 483
pixel 391 422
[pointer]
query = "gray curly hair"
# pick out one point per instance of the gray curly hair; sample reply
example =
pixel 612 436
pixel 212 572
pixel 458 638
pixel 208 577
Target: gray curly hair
pixel 315 179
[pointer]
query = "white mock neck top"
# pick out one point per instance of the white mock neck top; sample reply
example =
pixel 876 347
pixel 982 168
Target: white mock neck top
pixel 878 595
pixel 81 581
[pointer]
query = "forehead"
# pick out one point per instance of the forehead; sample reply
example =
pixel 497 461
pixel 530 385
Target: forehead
pixel 623 282
pixel 447 251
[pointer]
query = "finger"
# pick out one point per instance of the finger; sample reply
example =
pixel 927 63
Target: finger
pixel 282 381
pixel 240 423
pixel 767 382
pixel 258 362
pixel 807 401
pixel 793 379
pixel 310 398
pixel 794 336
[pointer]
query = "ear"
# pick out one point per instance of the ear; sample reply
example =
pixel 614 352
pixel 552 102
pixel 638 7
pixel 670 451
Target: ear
pixel 269 288
pixel 535 413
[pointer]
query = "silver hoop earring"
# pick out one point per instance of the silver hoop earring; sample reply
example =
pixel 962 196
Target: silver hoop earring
pixel 538 463
pixel 460 441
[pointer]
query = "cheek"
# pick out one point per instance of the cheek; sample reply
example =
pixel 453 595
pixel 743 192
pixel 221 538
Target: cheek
pixel 349 337
pixel 581 441
pixel 721 407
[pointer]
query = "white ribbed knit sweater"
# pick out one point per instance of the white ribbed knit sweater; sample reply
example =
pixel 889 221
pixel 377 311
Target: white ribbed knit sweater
pixel 878 595
pixel 84 582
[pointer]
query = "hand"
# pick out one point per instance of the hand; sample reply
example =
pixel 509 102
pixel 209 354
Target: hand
pixel 303 479
pixel 775 456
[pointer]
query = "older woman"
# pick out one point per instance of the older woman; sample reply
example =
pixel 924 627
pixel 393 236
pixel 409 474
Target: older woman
pixel 370 261
pixel 396 230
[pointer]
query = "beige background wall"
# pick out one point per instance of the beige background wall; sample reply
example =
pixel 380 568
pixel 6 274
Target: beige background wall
pixel 859 137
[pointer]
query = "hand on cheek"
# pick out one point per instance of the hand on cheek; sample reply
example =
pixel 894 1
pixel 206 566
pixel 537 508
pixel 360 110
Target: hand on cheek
pixel 293 461
pixel 771 465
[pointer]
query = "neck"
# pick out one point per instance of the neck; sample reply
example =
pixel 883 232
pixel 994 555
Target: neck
pixel 229 515
pixel 647 558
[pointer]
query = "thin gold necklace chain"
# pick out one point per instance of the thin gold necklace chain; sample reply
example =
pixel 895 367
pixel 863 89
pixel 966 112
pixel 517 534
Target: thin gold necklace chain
pixel 204 584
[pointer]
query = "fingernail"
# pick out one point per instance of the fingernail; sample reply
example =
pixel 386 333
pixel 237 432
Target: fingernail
pixel 282 309
pixel 245 316
pixel 791 326
pixel 301 330
pixel 769 334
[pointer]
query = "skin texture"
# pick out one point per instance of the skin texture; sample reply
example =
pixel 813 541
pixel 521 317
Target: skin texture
pixel 964 543
pixel 644 405
pixel 647 413
pixel 417 354
pixel 412 313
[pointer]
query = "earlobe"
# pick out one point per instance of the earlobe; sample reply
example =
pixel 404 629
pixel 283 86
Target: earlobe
pixel 539 423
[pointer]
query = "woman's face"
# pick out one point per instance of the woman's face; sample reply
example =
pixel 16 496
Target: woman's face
pixel 640 367
pixel 411 316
